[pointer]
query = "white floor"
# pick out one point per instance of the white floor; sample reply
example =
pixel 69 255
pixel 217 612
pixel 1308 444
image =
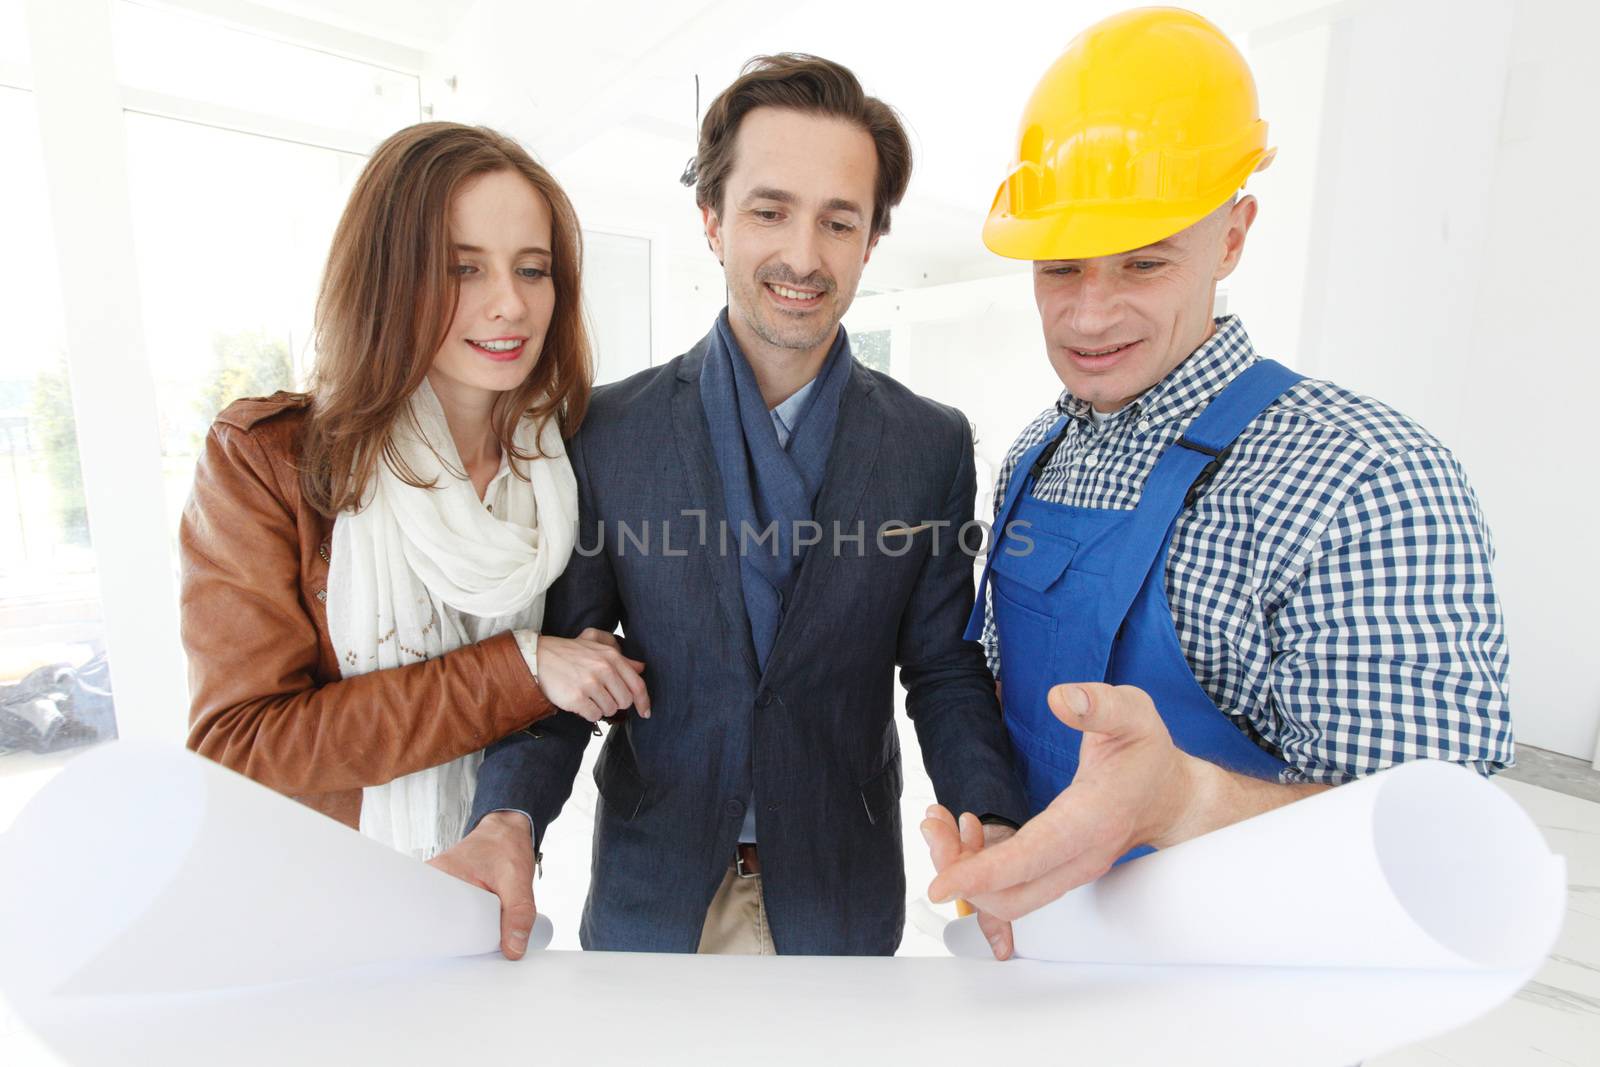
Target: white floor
pixel 1554 1020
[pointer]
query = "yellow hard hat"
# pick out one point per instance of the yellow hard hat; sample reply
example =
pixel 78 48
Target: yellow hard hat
pixel 1146 124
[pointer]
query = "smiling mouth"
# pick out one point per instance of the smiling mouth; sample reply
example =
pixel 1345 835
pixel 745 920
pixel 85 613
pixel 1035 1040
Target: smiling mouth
pixel 503 349
pixel 1100 353
pixel 794 296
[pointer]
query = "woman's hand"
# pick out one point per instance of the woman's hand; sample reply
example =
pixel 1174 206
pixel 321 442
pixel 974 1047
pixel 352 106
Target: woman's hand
pixel 589 676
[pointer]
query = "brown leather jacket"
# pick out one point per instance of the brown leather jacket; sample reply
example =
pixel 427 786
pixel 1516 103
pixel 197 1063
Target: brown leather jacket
pixel 267 697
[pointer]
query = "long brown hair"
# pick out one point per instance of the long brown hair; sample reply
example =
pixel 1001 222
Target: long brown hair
pixel 389 295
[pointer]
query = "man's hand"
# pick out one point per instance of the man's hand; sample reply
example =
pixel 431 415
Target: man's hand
pixel 590 677
pixel 1133 787
pixel 498 856
pixel 948 841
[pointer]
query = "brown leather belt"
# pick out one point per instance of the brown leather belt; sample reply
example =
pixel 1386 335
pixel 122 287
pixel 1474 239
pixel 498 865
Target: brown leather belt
pixel 746 861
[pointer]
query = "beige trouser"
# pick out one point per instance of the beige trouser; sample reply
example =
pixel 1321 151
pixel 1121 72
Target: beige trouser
pixel 736 922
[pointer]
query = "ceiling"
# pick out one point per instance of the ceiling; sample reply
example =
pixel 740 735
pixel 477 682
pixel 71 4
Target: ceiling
pixel 605 94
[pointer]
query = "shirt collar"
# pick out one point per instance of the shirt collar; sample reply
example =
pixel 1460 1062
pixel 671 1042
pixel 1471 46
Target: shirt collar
pixel 1192 383
pixel 789 411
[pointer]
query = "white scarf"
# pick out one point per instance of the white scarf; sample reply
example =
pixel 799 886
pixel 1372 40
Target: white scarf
pixel 409 554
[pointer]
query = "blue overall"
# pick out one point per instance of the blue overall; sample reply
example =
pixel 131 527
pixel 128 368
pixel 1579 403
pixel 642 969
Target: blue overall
pixel 1088 603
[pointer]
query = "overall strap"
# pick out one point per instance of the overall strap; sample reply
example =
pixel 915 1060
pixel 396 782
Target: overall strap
pixel 1023 475
pixel 1182 470
pixel 1238 405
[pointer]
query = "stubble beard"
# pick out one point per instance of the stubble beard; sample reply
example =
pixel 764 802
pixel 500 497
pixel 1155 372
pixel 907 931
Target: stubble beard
pixel 771 326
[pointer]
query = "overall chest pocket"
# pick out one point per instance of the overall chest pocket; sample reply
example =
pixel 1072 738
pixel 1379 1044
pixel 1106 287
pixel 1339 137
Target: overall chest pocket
pixel 1044 610
pixel 1029 563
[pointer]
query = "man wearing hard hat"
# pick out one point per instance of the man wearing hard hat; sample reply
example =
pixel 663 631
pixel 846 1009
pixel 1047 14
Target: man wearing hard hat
pixel 1217 585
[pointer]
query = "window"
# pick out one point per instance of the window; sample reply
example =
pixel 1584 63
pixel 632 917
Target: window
pixel 53 690
pixel 241 149
pixel 871 348
pixel 231 231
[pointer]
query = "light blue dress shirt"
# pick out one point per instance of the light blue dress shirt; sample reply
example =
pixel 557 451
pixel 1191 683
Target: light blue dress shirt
pixel 785 414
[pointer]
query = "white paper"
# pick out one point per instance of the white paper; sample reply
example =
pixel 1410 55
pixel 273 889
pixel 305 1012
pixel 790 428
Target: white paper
pixel 599 1008
pixel 150 871
pixel 1425 865
pixel 144 868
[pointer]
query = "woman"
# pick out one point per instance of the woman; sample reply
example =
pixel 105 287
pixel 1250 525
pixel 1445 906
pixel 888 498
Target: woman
pixel 364 566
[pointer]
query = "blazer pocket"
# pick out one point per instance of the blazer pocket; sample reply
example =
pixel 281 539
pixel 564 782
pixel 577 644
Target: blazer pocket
pixel 880 794
pixel 616 775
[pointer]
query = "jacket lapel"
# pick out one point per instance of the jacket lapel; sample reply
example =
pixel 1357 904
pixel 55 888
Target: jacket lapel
pixel 704 481
pixel 851 461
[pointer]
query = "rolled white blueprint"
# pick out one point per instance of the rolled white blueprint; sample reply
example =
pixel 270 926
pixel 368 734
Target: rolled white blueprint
pixel 1425 865
pixel 143 868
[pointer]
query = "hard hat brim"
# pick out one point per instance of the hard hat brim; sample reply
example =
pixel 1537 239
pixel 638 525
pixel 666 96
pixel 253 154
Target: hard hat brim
pixel 1087 229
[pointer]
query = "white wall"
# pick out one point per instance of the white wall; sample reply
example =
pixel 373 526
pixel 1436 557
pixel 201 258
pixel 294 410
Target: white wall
pixel 1529 377
pixel 1443 273
pixel 617 284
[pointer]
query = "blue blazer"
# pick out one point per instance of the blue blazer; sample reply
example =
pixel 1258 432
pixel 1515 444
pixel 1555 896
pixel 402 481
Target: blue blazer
pixel 813 738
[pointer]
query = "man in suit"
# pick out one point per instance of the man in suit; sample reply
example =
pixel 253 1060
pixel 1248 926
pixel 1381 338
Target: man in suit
pixel 775 528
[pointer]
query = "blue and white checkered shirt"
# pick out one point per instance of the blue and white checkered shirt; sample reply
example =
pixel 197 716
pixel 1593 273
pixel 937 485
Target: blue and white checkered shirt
pixel 1330 588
